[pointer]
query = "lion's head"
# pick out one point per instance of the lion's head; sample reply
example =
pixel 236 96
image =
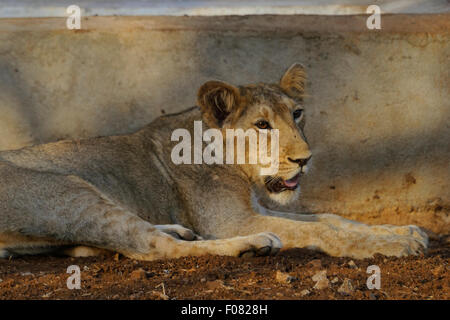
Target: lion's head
pixel 261 107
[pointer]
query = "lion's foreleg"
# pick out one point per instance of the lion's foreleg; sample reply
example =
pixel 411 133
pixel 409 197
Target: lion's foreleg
pixel 350 225
pixel 334 239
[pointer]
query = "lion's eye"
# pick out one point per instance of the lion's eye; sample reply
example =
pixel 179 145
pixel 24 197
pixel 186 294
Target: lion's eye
pixel 298 113
pixel 262 124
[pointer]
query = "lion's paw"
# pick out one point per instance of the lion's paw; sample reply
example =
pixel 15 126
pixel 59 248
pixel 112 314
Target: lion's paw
pixel 412 231
pixel 396 245
pixel 261 244
pixel 179 232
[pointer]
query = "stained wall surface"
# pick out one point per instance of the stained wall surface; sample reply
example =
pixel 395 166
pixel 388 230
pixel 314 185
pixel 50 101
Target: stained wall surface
pixel 378 110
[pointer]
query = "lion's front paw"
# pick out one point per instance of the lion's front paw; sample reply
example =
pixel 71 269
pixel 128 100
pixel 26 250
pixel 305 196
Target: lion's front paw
pixel 397 246
pixel 412 231
pixel 261 244
pixel 179 232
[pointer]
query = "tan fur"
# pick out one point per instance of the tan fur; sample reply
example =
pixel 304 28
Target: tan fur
pixel 83 251
pixel 124 194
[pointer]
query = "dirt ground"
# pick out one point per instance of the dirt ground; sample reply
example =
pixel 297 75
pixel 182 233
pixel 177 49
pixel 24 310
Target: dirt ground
pixel 286 276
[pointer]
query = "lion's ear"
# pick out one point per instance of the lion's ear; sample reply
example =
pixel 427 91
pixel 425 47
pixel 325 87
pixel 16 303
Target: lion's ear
pixel 293 81
pixel 217 100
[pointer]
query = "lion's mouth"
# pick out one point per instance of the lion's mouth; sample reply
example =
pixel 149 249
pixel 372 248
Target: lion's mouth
pixel 278 184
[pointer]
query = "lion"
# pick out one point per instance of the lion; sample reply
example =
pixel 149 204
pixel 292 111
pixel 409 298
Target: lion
pixel 124 193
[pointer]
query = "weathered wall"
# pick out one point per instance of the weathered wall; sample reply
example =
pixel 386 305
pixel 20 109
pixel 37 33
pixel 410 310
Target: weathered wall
pixel 377 115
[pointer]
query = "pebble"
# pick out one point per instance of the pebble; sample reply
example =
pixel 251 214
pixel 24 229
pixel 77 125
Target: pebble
pixel 335 280
pixel 321 280
pixel 138 274
pixel 284 277
pixel 316 263
pixel 322 284
pixel 305 292
pixel 320 275
pixel 352 264
pixel 213 285
pixel 346 288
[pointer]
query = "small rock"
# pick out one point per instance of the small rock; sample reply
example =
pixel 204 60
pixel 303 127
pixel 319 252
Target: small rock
pixel 321 280
pixel 213 285
pixel 346 288
pixel 138 274
pixel 322 284
pixel 305 292
pixel 352 264
pixel 86 268
pixel 203 280
pixel 320 275
pixel 24 274
pixel 335 280
pixel 284 277
pixel 1 280
pixel 315 263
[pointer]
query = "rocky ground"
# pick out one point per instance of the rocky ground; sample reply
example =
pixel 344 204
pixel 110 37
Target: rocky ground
pixel 293 274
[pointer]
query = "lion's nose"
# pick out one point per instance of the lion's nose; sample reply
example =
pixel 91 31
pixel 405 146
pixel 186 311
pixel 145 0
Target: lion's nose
pixel 300 162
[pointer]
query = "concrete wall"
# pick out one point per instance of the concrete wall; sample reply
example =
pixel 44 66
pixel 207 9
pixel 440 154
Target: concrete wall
pixel 57 8
pixel 378 111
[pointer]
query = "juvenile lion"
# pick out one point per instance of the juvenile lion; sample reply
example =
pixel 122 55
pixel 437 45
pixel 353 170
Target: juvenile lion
pixel 124 194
